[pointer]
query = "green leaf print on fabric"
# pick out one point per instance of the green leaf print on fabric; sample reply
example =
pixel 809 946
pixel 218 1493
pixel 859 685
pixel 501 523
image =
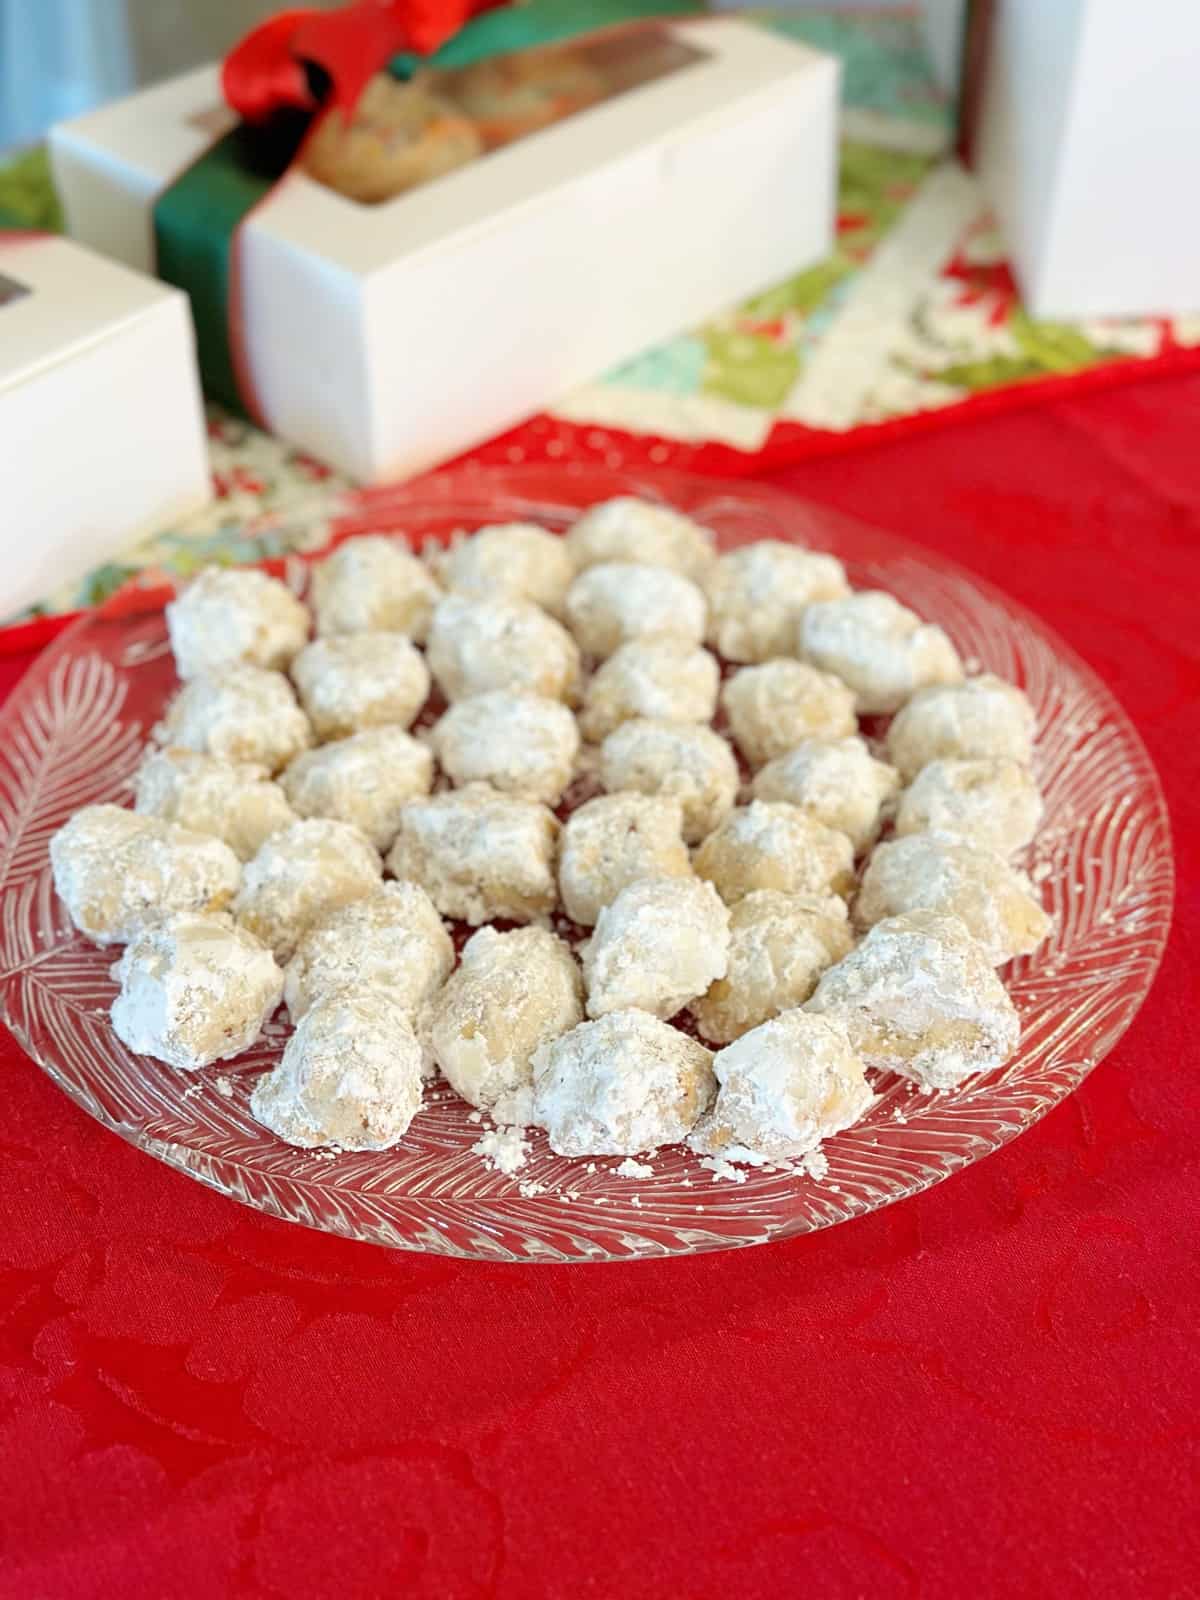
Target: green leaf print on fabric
pixel 1052 345
pixel 875 185
pixel 801 294
pixel 105 581
pixel 989 372
pixel 749 369
pixel 27 192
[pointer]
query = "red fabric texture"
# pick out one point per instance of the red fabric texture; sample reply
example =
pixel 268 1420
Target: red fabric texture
pixel 989 1390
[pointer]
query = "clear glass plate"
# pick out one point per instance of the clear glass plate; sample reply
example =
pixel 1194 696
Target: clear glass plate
pixel 72 734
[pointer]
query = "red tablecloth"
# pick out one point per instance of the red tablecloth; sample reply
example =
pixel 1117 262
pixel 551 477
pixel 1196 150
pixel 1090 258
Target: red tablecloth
pixel 991 1390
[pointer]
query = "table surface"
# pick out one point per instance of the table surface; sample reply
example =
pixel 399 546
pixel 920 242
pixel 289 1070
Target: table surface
pixel 990 1389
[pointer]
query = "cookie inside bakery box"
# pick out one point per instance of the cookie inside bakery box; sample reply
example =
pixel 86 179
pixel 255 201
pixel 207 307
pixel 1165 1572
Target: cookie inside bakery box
pixel 475 240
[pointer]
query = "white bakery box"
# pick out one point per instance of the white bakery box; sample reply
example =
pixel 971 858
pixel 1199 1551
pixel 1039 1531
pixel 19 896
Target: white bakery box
pixel 384 338
pixel 102 435
pixel 1087 145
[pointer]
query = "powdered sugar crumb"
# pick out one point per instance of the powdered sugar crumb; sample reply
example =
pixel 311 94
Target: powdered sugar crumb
pixel 815 1164
pixel 225 1086
pixel 531 1188
pixel 503 1149
pixel 722 1170
pixel 630 1168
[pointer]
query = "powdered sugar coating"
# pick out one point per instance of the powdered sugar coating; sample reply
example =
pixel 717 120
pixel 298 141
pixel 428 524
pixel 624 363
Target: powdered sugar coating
pixel 678 760
pixel 299 876
pixel 766 845
pixel 663 679
pixel 628 529
pixel 779 945
pixel 239 714
pixel 522 744
pixel 366 779
pixel 981 719
pixel 233 801
pixel 756 595
pixel 616 840
pixel 516 560
pixel 784 1087
pixel 231 616
pixel 835 781
pixel 480 854
pixel 392 939
pixel 992 802
pixel 773 706
pixel 919 997
pixel 621 1085
pixel 350 1075
pixel 512 993
pixel 937 872
pixel 373 585
pixel 476 645
pixel 659 944
pixel 118 872
pixel 877 646
pixel 360 680
pixel 614 602
pixel 194 989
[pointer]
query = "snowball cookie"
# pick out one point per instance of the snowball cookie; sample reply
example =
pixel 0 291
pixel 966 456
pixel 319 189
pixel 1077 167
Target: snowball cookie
pixel 657 946
pixel 360 680
pixel 621 1085
pixel 616 840
pixel 512 993
pixel 994 803
pixel 772 707
pixel 195 989
pixel 984 719
pixel 769 846
pixel 479 854
pixel 919 997
pixel 783 1087
pixel 659 678
pixel 937 872
pixel 677 760
pixel 392 939
pixel 513 561
pixel 478 645
pixel 837 782
pixel 616 601
pixel 350 1076
pixel 234 801
pixel 523 744
pixel 366 779
pixel 301 874
pixel 373 585
pixel 879 647
pixel 627 529
pixel 779 945
pixel 756 595
pixel 117 872
pixel 239 714
pixel 231 616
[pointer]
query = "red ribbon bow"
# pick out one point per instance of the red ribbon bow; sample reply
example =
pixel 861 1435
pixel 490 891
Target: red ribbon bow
pixel 266 72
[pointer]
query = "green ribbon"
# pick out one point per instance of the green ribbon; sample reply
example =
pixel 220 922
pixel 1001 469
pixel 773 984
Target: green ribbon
pixel 537 22
pixel 197 217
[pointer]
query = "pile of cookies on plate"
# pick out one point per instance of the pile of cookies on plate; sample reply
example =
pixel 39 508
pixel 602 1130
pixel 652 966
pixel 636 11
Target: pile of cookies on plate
pixel 635 769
